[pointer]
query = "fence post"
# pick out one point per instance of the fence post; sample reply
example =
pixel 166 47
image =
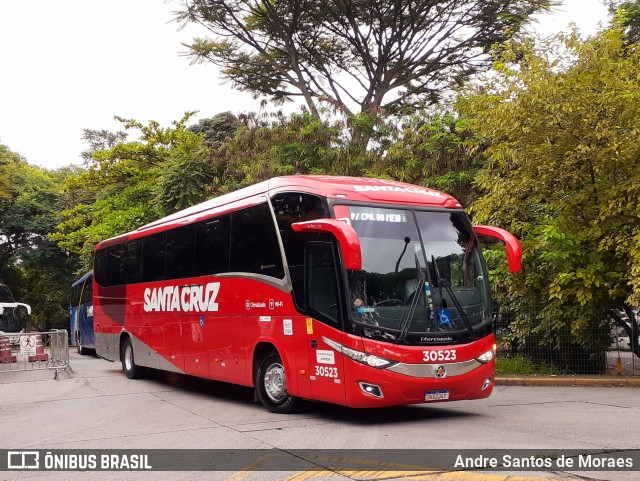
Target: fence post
pixel 633 342
pixel 550 345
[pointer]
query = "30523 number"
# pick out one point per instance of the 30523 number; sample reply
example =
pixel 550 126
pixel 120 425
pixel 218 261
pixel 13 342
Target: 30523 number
pixel 326 371
pixel 439 356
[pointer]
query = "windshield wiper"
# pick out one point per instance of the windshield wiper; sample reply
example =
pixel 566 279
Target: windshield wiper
pixel 445 284
pixel 406 322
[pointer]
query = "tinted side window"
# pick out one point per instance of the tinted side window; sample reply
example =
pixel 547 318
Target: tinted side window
pixel 153 251
pixel 254 245
pixel 75 296
pixel 291 207
pixel 100 267
pixel 87 292
pixel 180 250
pixel 321 283
pixel 130 266
pixel 212 246
pixel 114 261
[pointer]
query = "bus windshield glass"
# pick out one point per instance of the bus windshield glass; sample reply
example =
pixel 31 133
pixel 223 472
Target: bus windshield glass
pixel 422 279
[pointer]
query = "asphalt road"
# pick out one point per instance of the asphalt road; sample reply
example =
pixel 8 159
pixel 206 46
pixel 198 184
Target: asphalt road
pixel 97 407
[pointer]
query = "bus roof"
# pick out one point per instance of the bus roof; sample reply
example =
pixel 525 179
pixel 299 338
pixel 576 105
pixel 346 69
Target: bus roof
pixel 361 189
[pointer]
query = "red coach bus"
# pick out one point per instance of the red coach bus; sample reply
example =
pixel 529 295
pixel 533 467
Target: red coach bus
pixel 354 291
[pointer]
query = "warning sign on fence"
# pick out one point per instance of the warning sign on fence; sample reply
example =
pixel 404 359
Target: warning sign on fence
pixel 28 345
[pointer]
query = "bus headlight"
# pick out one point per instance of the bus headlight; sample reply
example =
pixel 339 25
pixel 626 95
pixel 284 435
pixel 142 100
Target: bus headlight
pixel 486 357
pixel 358 356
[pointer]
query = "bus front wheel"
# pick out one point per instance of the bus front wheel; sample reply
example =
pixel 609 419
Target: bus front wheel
pixel 271 385
pixel 131 370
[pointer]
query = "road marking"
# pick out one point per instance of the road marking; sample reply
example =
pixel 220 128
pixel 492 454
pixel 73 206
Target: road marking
pixel 304 475
pixel 401 471
pixel 413 476
pixel 249 468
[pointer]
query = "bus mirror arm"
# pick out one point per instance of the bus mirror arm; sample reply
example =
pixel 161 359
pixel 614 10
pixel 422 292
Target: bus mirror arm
pixel 26 306
pixel 512 244
pixel 344 234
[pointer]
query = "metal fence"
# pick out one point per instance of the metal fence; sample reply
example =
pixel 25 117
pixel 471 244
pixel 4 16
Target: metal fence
pixel 579 343
pixel 32 351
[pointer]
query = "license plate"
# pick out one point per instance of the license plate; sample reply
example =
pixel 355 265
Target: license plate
pixel 441 395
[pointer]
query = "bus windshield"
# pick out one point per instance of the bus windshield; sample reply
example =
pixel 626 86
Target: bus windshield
pixel 423 279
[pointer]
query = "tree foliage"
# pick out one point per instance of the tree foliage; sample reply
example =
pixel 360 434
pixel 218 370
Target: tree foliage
pixel 269 145
pixel 216 129
pixel 27 207
pixel 30 264
pixel 100 140
pixel 563 172
pixel 131 183
pixel 436 150
pixel 629 13
pixel 355 56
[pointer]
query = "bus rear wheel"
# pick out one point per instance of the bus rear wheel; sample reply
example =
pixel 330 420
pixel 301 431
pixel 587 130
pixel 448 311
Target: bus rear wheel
pixel 131 370
pixel 271 386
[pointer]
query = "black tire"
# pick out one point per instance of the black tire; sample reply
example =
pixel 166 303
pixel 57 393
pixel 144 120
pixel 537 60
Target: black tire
pixel 271 385
pixel 81 350
pixel 129 367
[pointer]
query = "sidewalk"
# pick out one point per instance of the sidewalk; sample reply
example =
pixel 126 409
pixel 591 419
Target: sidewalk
pixel 512 380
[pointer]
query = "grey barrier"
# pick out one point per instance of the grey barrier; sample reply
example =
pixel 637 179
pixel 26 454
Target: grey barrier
pixel 32 351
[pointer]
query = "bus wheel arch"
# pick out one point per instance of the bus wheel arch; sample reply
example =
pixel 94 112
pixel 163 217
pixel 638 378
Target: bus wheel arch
pixel 269 378
pixel 127 357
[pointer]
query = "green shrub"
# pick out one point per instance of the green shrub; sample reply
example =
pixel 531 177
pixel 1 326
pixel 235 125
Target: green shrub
pixel 521 365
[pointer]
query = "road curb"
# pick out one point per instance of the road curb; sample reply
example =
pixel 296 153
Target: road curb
pixel 612 381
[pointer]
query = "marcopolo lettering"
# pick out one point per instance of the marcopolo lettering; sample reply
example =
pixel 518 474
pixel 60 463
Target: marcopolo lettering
pixel 200 298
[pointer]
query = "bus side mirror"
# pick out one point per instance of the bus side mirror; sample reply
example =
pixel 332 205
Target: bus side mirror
pixel 345 235
pixel 512 244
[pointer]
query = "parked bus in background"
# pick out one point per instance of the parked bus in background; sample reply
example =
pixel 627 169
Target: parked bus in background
pixel 13 315
pixel 81 313
pixel 354 291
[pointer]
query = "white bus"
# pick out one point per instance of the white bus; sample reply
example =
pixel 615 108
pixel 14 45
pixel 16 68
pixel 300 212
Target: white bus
pixel 12 315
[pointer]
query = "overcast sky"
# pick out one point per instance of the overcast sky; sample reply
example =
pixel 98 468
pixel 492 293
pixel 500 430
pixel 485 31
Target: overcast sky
pixel 67 65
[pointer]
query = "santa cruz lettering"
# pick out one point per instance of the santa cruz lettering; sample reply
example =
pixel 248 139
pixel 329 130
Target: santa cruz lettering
pixel 393 188
pixel 182 298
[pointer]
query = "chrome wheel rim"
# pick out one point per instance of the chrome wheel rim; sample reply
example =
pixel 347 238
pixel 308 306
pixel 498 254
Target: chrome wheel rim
pixel 275 383
pixel 128 358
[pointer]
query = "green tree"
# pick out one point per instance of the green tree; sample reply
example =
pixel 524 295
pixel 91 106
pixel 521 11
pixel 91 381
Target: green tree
pixel 562 173
pixel 36 270
pixel 358 57
pixel 134 182
pixel 629 12
pixel 437 150
pixel 100 140
pixel 26 208
pixel 216 129
pixel 269 145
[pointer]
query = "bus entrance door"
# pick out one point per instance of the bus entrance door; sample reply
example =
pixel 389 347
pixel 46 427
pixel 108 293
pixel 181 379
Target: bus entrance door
pixel 326 365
